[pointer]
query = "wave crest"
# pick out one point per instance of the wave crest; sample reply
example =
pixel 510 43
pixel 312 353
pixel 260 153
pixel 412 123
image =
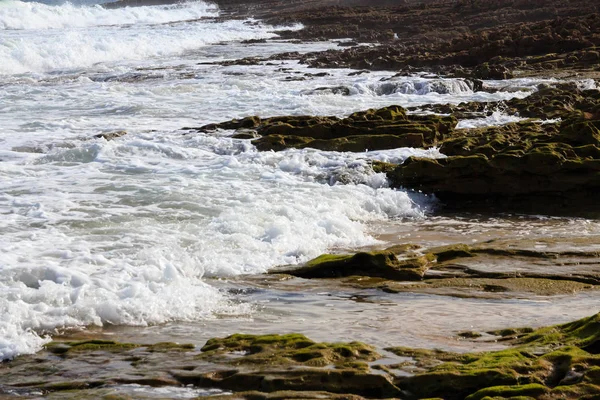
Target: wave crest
pixel 19 15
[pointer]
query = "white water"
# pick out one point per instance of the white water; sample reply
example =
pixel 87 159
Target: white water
pixel 124 232
pixel 497 118
pixel 29 15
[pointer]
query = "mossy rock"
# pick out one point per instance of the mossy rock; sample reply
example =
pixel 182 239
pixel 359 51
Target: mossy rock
pixel 533 390
pixel 351 382
pixel 546 362
pixel 373 129
pixel 382 264
pixel 253 343
pixel 451 252
pixel 89 345
pixel 291 362
pixel 513 166
pixel 288 349
pixel 279 142
pixel 580 133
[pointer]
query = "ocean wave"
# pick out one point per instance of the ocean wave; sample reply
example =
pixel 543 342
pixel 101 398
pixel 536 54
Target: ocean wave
pixel 409 86
pixel 422 87
pixel 25 51
pixel 19 15
pixel 135 250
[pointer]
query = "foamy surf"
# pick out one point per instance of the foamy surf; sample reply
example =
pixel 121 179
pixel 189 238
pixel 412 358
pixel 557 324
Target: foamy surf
pixel 131 231
pixel 42 38
pixel 135 251
pixel 496 118
pixel 38 16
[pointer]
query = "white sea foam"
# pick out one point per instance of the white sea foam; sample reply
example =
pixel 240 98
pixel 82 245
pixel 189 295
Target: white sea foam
pixel 38 38
pixel 422 86
pixel 401 86
pixel 128 231
pixel 71 49
pixel 38 16
pixel 497 118
pixel 527 84
pixel 90 251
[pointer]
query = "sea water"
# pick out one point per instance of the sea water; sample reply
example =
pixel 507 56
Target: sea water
pixel 142 230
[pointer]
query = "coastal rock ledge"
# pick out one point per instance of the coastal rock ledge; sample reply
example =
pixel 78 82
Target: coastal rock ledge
pixel 529 166
pixel 559 362
pixel 549 162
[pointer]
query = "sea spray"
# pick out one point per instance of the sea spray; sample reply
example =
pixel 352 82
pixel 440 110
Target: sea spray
pixel 20 15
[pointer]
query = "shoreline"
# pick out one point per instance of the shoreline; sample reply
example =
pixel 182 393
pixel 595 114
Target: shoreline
pixel 367 289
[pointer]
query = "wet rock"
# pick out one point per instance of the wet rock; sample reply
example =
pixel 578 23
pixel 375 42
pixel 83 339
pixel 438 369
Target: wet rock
pixel 110 135
pixel 554 362
pixel 266 360
pixel 374 129
pixel 376 264
pixel 554 166
pixel 254 41
pixel 261 363
pixel 356 73
pixel 534 366
pixel 493 269
pixel 349 43
pixel 469 335
pixel 487 71
pixel 243 133
pixel 244 123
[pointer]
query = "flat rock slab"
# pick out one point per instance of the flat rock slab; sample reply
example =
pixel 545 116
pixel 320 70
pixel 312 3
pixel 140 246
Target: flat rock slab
pixel 548 363
pixel 492 269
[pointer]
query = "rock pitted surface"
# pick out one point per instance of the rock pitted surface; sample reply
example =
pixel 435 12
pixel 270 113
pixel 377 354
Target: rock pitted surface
pixel 549 363
pixel 385 128
pixel 524 165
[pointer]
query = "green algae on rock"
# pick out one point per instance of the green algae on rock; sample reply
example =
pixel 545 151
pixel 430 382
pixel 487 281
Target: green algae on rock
pixel 292 362
pixel 287 349
pixel 374 129
pixel 491 269
pixel 382 264
pixel 245 363
pixel 525 166
pixel 548 363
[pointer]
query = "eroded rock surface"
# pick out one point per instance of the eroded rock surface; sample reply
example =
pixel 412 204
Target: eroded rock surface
pixel 549 363
pixel 239 363
pixel 552 167
pixel 385 128
pixel 492 269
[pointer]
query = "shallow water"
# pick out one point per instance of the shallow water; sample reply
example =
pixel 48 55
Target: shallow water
pixel 473 228
pixel 136 232
pixel 330 313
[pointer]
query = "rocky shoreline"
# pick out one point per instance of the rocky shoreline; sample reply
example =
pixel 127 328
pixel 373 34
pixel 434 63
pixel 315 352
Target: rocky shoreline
pixel 477 39
pixel 548 162
pixel 549 363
